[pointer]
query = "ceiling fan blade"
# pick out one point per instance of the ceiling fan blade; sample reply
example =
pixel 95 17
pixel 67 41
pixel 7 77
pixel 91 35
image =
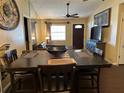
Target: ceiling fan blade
pixel 85 0
pixel 74 14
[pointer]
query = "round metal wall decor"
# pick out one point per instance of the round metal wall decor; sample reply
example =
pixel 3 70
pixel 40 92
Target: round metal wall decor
pixel 9 14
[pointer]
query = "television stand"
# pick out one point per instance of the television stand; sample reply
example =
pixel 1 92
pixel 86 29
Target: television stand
pixel 96 47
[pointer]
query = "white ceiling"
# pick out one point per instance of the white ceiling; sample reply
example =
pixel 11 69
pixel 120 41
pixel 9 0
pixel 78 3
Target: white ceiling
pixel 57 8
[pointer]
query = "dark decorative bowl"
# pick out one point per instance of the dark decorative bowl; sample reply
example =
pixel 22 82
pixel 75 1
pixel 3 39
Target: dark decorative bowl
pixel 56 50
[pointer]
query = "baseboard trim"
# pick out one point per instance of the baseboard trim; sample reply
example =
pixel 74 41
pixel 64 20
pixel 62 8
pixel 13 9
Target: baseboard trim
pixel 113 63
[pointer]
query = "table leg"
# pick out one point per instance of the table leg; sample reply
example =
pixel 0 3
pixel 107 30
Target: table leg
pixel 12 82
pixel 0 83
pixel 75 84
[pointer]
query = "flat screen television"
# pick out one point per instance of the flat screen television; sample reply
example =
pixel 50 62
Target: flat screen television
pixel 96 33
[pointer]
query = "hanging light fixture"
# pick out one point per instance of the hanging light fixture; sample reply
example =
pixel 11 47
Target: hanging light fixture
pixel 87 0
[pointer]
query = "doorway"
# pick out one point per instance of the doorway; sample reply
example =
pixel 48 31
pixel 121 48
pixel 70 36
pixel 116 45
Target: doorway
pixel 26 33
pixel 78 36
pixel 33 30
pixel 121 52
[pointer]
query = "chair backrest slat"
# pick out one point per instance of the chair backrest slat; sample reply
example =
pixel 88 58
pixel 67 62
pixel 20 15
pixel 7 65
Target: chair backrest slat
pixel 14 54
pixel 57 82
pixel 65 81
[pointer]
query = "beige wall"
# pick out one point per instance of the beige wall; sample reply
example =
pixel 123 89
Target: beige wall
pixel 69 28
pixel 110 33
pixel 121 1
pixel 40 29
pixel 15 37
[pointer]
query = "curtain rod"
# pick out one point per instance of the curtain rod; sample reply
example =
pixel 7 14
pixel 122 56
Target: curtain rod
pixel 60 22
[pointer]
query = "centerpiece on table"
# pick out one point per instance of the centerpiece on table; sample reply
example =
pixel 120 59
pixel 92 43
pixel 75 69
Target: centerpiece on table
pixel 56 50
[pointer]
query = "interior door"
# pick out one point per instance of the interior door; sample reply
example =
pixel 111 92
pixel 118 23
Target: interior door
pixel 78 36
pixel 121 59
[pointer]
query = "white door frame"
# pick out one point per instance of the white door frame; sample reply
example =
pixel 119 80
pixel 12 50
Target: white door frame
pixel 120 34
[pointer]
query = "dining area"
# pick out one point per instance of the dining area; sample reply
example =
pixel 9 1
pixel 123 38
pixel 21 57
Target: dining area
pixel 54 69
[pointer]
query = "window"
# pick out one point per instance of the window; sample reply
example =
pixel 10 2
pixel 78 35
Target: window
pixel 58 32
pixel 78 26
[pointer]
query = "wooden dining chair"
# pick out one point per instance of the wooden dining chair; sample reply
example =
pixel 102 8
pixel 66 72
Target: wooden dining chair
pixel 91 75
pixel 8 57
pixel 56 78
pixel 18 76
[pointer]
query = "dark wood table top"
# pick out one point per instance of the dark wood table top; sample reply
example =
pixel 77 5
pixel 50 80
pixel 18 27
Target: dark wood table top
pixel 41 57
pixel 84 59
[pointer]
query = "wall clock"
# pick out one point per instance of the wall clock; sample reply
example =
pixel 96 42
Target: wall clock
pixel 9 14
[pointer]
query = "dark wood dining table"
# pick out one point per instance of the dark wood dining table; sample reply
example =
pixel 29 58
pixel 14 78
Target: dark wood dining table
pixel 83 59
pixel 31 61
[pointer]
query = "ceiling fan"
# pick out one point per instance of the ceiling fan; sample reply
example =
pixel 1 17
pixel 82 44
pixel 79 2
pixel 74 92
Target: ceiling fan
pixel 87 0
pixel 71 15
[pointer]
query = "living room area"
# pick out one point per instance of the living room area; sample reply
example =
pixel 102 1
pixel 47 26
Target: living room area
pixel 93 25
pixel 40 25
pixel 110 25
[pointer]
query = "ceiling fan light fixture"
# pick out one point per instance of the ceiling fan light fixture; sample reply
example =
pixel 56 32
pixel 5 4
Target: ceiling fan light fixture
pixel 67 15
pixel 71 15
pixel 87 0
pixel 68 4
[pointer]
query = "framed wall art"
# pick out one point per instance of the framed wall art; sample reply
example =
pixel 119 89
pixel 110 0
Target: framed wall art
pixel 103 18
pixel 9 14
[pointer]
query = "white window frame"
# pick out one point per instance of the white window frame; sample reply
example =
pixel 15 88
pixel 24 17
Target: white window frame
pixel 53 33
